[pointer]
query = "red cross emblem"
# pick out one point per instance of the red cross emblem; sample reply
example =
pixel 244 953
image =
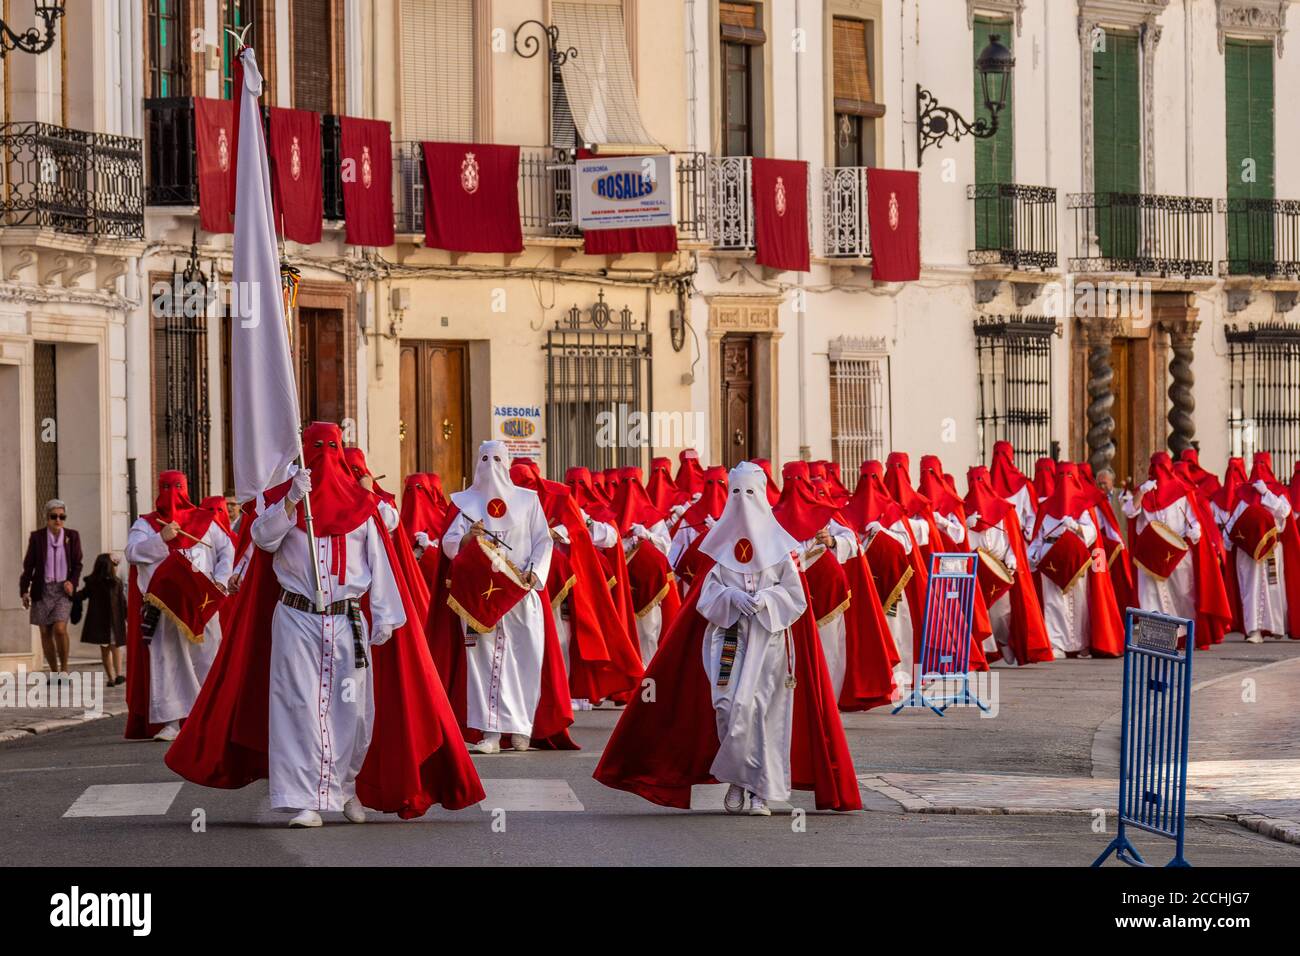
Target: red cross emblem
pixel 744 551
pixel 496 508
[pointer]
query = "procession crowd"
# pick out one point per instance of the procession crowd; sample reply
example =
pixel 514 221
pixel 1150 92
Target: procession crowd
pixel 353 650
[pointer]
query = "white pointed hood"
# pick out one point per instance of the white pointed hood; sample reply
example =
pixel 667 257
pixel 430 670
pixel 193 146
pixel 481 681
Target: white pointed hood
pixel 748 538
pixel 492 489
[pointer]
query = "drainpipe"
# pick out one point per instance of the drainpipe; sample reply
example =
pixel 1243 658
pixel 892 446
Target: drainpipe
pixel 801 301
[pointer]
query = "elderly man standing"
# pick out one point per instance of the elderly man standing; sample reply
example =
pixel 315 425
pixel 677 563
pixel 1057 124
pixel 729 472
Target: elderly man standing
pixel 51 570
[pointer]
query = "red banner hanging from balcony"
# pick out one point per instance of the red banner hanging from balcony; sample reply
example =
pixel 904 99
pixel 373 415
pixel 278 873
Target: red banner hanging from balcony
pixel 894 216
pixel 780 213
pixel 296 173
pixel 214 146
pixel 471 197
pixel 367 173
pixel 617 242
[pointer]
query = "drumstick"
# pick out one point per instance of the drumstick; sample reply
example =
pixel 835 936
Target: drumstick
pixel 186 534
pixel 479 522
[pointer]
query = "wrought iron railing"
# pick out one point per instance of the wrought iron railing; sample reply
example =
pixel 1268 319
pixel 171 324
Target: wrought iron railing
pixel 1143 233
pixel 1014 363
pixel 171 163
pixel 1263 237
pixel 731 203
pixel 1015 226
pixel 845 232
pixel 693 197
pixel 70 180
pixel 331 164
pixel 1264 392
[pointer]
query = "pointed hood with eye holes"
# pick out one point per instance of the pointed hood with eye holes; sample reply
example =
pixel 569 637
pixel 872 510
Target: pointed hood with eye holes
pixel 338 504
pixel 492 497
pixel 173 504
pixel 748 538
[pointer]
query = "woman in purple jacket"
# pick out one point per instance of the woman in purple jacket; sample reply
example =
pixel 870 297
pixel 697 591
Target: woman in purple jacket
pixel 51 570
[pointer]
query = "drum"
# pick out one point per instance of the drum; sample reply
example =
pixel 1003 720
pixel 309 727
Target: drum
pixel 1255 532
pixel 995 578
pixel 188 597
pixel 484 585
pixel 1066 561
pixel 1158 550
pixel 891 568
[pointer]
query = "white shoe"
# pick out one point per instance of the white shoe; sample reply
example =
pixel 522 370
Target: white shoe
pixel 169 732
pixel 519 742
pixel 304 819
pixel 758 807
pixel 1058 655
pixel 353 811
pixel 1085 655
pixel 1255 637
pixel 490 744
pixel 734 801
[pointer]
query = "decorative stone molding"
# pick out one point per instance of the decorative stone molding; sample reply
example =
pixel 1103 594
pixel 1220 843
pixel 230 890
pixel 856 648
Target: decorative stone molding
pixel 1012 8
pixel 1252 20
pixel 1139 15
pixel 851 347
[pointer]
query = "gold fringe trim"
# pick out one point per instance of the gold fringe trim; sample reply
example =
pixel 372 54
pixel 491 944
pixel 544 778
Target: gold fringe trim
pixel 835 611
pixel 564 592
pixel 613 580
pixel 1266 545
pixel 1081 572
pixel 895 594
pixel 654 602
pixel 467 617
pixel 171 616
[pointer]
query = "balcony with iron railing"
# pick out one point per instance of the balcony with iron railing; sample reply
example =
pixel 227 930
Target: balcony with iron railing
pixel 1143 233
pixel 845 231
pixel 730 218
pixel 71 181
pixel 1263 238
pixel 1015 226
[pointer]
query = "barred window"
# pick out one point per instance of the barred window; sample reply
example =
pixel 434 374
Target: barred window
pixel 1014 355
pixel 180 381
pixel 1264 392
pixel 859 402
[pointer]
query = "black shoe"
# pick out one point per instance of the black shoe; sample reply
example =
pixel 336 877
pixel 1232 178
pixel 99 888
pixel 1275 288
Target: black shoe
pixel 119 679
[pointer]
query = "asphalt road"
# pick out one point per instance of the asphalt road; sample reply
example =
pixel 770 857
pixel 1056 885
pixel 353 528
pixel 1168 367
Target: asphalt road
pixel 58 792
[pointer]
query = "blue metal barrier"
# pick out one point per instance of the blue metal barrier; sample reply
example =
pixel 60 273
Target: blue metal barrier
pixel 1155 719
pixel 945 640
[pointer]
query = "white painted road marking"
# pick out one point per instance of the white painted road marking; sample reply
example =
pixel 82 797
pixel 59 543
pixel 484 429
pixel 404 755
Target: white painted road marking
pixel 125 800
pixel 528 794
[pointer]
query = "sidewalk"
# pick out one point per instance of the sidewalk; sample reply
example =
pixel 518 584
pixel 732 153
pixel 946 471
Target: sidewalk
pixel 1244 764
pixel 20 722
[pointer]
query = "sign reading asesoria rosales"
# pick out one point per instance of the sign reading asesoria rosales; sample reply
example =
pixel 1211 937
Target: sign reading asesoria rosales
pixel 624 192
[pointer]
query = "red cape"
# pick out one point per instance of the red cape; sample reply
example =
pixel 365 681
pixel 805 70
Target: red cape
pixel 415 758
pixel 1028 634
pixel 660 749
pixel 869 650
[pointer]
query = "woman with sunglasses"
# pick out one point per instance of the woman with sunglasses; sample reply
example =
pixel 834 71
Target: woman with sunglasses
pixel 51 570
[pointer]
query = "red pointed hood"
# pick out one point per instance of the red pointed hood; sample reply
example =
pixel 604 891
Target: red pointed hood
pixel 1044 478
pixel 661 488
pixel 632 505
pixel 356 460
pixel 1069 498
pixel 1006 477
pixel 773 489
pixel 799 509
pixel 423 505
pixel 1262 470
pixel 936 489
pixel 338 503
pixel 899 484
pixel 690 476
pixel 871 500
pixel 173 504
pixel 1234 479
pixel 982 500
pixel 1169 487
pixel 713 498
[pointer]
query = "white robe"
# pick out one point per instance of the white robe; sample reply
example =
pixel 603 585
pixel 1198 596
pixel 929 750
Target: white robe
pixel 754 710
pixel 1066 613
pixel 322 705
pixel 900 622
pixel 649 626
pixel 1024 501
pixel 177 666
pixel 1262 584
pixel 504 666
pixel 995 540
pixel 1176 595
pixel 833 633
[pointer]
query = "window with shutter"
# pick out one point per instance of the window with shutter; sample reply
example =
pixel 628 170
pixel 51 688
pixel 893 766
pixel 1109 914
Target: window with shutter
pixel 317 56
pixel 1249 110
pixel 854 98
pixel 742 84
pixel 1117 143
pixel 438 70
pixel 994 156
pixel 167 47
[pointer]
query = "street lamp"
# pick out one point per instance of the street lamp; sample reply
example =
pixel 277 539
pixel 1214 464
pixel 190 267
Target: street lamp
pixel 31 41
pixel 935 123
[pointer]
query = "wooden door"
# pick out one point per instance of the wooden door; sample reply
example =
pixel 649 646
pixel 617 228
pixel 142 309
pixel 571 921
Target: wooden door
pixel 1122 358
pixel 322 364
pixel 737 398
pixel 434 425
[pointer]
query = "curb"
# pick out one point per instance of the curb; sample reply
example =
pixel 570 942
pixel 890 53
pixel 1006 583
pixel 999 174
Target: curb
pixel 60 723
pixel 1285 831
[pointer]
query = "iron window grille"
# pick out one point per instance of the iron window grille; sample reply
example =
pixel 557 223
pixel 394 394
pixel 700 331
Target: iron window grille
pixel 859 402
pixel 1264 392
pixel 1014 361
pixel 598 375
pixel 1263 237
pixel 180 374
pixel 1143 233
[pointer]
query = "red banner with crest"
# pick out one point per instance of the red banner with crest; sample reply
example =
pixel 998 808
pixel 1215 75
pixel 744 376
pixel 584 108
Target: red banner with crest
pixel 296 173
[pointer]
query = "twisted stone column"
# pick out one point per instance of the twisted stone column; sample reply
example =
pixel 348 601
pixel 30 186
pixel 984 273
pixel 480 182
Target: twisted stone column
pixel 1182 420
pixel 1098 334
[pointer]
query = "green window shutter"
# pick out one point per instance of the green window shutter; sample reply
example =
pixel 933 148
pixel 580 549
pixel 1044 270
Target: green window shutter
pixel 994 156
pixel 1249 112
pixel 1117 143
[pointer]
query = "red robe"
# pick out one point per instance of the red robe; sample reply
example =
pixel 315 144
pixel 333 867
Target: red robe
pixel 660 749
pixel 869 650
pixel 415 759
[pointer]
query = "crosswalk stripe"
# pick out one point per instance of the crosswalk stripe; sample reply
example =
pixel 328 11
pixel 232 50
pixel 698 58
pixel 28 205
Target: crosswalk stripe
pixel 124 800
pixel 528 794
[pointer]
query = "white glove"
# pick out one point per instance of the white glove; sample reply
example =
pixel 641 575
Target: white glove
pixel 1261 487
pixel 972 521
pixel 639 531
pixel 380 636
pixel 1072 524
pixel 421 539
pixel 748 604
pixel 300 485
pixel 1146 486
